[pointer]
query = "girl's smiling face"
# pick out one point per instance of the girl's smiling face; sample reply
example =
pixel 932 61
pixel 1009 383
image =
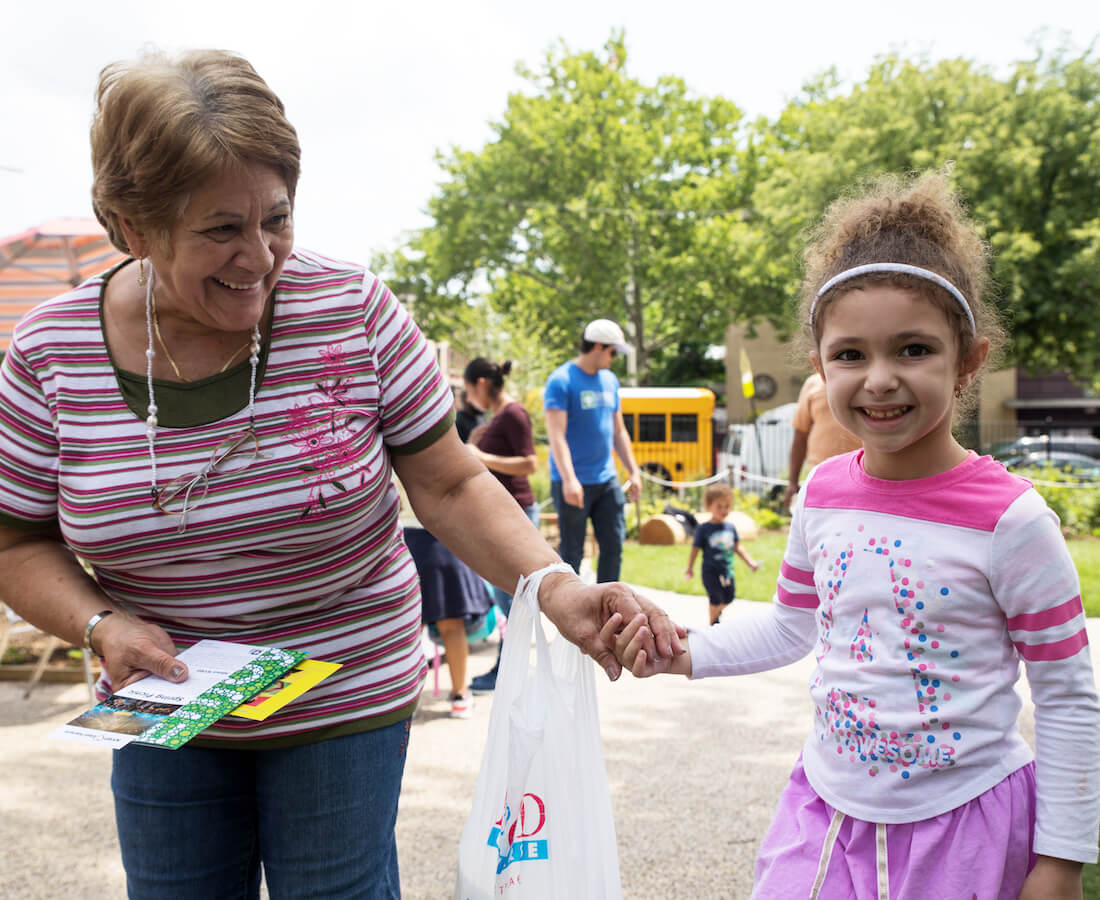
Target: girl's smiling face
pixel 890 361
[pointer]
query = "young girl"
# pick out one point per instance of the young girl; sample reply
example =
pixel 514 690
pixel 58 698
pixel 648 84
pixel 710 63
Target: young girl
pixel 921 575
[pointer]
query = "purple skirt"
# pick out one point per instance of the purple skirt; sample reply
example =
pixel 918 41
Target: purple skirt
pixel 981 849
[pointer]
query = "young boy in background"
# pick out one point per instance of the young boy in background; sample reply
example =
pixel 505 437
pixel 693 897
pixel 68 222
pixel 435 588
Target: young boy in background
pixel 718 540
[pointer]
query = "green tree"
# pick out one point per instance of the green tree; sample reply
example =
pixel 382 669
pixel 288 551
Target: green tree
pixel 603 196
pixel 906 116
pixel 599 196
pixel 1025 151
pixel 1034 184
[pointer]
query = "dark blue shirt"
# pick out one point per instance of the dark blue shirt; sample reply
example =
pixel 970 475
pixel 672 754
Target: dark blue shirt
pixel 717 540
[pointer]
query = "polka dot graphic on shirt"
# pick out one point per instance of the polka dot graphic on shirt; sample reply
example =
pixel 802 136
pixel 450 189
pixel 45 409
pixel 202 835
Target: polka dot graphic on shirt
pixel 850 720
pixel 860 647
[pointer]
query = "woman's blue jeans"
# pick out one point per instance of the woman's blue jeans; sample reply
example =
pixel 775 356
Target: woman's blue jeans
pixel 195 824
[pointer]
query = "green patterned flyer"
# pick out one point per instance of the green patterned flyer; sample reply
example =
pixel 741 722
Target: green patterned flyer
pixel 175 730
pixel 221 676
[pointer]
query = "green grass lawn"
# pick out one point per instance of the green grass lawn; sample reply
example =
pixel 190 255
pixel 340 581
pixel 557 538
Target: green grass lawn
pixel 663 568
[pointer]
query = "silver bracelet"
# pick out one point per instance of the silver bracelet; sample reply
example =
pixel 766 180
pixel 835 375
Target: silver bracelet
pixel 92 622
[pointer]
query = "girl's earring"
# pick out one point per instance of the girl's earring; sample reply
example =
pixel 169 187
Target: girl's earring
pixel 958 392
pixel 143 279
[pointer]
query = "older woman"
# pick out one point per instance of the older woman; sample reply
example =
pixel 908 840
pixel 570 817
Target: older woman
pixel 212 426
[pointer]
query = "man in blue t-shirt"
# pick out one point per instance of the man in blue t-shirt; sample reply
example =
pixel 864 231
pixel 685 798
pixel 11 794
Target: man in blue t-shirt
pixel 584 423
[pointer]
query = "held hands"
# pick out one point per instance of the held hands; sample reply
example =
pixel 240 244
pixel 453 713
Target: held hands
pixel 632 648
pixel 590 614
pixel 132 649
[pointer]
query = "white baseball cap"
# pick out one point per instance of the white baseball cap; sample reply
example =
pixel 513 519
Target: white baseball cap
pixel 604 331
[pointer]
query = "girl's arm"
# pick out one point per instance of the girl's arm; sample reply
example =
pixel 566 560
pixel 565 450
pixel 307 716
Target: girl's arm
pixel 766 637
pixel 1035 584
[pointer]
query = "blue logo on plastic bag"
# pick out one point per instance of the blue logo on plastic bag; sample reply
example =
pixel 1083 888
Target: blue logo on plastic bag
pixel 514 838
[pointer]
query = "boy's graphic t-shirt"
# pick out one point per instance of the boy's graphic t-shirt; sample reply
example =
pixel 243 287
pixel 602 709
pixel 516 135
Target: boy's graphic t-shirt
pixel 716 541
pixel 920 599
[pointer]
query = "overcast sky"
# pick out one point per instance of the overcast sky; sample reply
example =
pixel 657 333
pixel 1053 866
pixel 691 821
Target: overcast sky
pixel 375 89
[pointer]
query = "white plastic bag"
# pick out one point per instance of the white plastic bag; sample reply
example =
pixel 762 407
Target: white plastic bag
pixel 541 826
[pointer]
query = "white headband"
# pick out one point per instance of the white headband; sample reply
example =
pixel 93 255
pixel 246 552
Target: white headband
pixel 904 269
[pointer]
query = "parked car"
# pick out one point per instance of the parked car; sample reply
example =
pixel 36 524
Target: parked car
pixel 758 455
pixel 1076 465
pixel 1082 444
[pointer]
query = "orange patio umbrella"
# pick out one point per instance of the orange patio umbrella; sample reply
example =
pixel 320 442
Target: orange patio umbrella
pixel 48 260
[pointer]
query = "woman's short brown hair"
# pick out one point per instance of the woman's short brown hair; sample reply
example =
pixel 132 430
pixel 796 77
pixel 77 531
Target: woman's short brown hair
pixel 164 127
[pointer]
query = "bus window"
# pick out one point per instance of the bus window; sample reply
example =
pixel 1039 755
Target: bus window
pixel 651 428
pixel 628 421
pixel 685 428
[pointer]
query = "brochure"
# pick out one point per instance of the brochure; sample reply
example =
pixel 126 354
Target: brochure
pixel 221 677
pixel 285 688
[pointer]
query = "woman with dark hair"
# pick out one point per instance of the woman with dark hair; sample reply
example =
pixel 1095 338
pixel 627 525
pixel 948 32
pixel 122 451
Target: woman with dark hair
pixel 212 426
pixel 506 447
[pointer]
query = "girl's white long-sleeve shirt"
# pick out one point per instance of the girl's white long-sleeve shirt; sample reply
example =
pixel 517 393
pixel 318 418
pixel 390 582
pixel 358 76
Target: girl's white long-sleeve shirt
pixel 919 599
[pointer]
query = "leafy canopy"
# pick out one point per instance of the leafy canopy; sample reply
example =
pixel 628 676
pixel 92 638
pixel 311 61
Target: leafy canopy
pixel 664 210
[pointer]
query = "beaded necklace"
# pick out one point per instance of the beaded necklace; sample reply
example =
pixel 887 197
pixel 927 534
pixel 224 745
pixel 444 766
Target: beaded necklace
pixel 150 355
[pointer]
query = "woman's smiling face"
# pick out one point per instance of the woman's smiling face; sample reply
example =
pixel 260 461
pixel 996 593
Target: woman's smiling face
pixel 890 361
pixel 226 253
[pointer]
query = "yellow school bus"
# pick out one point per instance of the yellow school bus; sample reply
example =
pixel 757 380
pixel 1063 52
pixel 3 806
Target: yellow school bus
pixel 672 430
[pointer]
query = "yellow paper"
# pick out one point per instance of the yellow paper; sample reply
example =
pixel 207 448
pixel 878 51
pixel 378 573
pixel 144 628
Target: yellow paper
pixel 279 693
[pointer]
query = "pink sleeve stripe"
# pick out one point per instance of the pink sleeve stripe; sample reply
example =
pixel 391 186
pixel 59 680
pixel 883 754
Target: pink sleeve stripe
pixel 1048 618
pixel 1055 650
pixel 797 601
pixel 799 576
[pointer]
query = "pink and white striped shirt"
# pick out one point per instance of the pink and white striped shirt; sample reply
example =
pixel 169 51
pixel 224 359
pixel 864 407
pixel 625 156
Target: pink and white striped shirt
pixel 920 599
pixel 298 548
